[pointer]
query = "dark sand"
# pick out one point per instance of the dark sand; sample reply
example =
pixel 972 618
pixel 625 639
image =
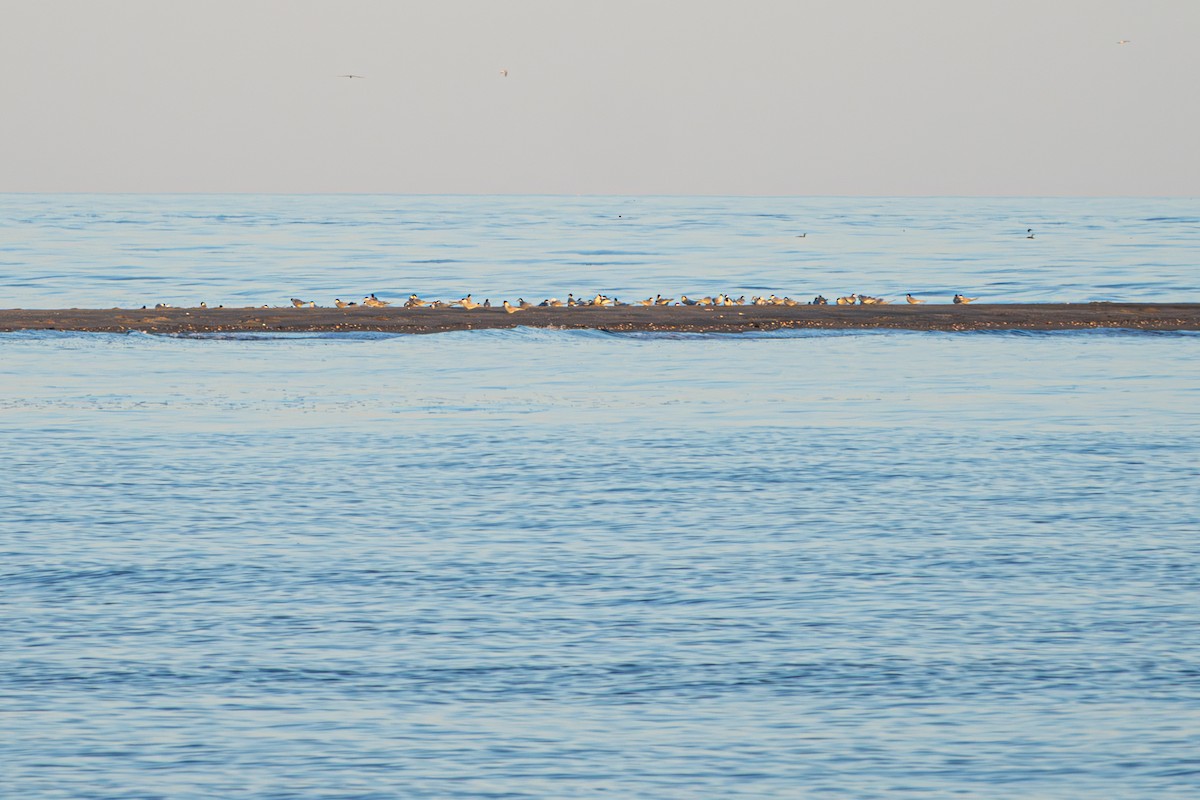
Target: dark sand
pixel 726 319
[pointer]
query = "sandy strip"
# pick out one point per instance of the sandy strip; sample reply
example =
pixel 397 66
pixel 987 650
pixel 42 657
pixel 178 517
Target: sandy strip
pixel 727 319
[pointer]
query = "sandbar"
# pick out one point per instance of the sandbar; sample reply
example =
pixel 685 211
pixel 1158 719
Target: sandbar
pixel 689 319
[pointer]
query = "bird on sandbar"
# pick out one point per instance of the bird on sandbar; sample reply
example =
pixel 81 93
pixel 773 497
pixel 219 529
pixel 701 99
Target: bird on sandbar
pixel 819 301
pixel 468 303
pixel 912 301
pixel 297 303
pixel 848 300
pixel 511 309
pixel 340 303
pixel 960 300
pixel 374 302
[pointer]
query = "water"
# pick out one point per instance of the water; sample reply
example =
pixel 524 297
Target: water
pixel 127 250
pixel 576 564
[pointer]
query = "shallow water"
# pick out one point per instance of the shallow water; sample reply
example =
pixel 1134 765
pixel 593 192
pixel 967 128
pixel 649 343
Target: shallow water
pixel 539 563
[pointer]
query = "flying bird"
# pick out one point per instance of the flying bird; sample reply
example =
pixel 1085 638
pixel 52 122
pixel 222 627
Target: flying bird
pixel 352 76
pixel 1123 41
pixel 503 73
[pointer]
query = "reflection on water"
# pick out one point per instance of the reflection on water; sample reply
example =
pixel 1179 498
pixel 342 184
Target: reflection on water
pixel 548 563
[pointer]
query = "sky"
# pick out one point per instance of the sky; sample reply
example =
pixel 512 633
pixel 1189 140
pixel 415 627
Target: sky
pixel 713 97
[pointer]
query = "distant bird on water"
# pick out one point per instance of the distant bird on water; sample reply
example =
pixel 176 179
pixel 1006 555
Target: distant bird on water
pixel 1030 232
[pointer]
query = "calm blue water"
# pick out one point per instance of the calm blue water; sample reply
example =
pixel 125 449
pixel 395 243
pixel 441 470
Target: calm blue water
pixel 546 564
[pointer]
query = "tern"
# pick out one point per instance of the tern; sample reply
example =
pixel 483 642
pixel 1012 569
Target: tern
pixel 960 300
pixel 912 301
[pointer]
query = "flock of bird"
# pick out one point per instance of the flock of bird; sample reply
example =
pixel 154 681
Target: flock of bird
pixel 602 300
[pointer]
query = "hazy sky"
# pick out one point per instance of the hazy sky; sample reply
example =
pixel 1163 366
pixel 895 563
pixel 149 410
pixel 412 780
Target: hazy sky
pixel 842 97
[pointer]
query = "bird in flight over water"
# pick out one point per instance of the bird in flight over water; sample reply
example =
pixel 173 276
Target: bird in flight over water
pixel 503 73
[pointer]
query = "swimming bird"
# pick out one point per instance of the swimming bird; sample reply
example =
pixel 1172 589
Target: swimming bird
pixel 510 308
pixel 912 301
pixel 1030 232
pixel 960 300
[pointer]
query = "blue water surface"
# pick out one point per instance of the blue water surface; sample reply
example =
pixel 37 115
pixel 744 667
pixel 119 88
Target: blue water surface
pixel 545 564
